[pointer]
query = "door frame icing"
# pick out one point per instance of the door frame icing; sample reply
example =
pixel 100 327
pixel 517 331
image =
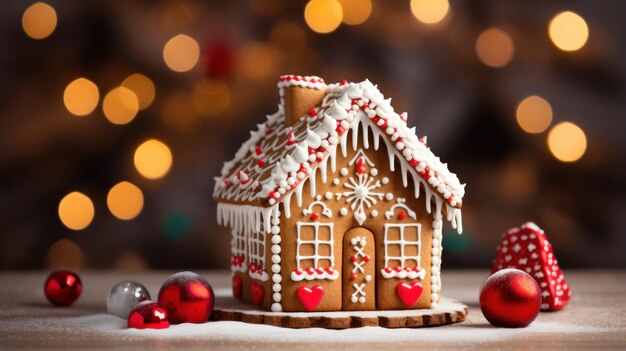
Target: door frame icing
pixel 359 270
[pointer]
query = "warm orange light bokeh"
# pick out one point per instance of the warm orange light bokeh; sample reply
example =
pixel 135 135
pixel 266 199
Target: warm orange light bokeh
pixel 76 210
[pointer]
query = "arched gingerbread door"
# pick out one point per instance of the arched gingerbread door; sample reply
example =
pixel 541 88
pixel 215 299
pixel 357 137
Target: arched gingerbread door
pixel 359 270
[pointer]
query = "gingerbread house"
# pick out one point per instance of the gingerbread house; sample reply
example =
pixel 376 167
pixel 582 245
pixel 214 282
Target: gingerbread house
pixel 336 204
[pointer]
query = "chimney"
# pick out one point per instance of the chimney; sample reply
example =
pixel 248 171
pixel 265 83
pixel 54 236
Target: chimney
pixel 298 94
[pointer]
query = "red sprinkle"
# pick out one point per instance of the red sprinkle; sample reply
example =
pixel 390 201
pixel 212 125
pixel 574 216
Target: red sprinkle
pixel 402 215
pixel 315 216
pixel 353 276
pixel 260 163
pixel 343 82
pixel 312 112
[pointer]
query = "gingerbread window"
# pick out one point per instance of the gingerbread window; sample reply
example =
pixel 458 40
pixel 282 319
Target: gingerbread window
pixel 256 256
pixel 402 251
pixel 238 251
pixel 314 252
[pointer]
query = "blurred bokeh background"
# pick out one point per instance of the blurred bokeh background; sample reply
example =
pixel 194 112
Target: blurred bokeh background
pixel 116 115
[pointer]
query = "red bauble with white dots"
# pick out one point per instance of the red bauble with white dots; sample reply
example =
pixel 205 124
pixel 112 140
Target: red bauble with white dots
pixel 510 298
pixel 62 287
pixel 148 315
pixel 187 297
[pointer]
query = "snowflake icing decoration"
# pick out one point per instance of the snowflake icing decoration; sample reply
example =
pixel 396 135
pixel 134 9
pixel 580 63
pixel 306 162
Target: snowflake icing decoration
pixel 361 189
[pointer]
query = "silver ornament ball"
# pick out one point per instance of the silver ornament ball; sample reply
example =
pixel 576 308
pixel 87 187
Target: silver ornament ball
pixel 124 296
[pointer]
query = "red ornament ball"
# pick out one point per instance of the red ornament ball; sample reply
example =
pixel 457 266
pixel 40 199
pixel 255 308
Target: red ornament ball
pixel 510 298
pixel 62 288
pixel 148 315
pixel 187 297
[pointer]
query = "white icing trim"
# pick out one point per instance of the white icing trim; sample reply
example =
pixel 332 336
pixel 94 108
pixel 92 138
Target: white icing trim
pixel 318 273
pixel 256 256
pixel 244 218
pixel 403 272
pixel 409 273
pixel 259 275
pixel 326 211
pixel 400 204
pixel 238 252
pixel 314 272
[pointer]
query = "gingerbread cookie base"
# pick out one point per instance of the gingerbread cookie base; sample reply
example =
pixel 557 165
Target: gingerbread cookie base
pixel 448 311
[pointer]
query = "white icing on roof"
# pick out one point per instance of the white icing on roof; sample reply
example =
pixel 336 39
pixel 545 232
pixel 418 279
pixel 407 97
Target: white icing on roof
pixel 277 158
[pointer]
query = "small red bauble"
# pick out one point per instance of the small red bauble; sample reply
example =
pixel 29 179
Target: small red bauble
pixel 187 298
pixel 510 298
pixel 62 288
pixel 148 315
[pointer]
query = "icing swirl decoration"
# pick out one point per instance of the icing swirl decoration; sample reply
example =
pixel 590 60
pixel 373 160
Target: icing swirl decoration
pixel 361 189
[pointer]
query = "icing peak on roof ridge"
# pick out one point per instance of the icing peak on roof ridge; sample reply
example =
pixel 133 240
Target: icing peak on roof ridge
pixel 313 82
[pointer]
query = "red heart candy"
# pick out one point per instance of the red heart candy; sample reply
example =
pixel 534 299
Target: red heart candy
pixel 310 297
pixel 409 293
pixel 257 293
pixel 237 286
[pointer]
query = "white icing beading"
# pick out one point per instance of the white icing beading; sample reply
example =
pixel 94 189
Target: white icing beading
pixel 276 259
pixel 437 248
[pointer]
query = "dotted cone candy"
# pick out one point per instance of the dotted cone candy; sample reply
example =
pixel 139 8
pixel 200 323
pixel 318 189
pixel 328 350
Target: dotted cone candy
pixel 527 248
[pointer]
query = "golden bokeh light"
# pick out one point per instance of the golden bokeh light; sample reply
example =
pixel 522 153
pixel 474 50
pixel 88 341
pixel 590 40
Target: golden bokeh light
pixel 494 47
pixel 143 87
pixel 323 16
pixel 153 159
pixel 81 97
pixel 181 53
pixel 120 105
pixel 65 253
pixel 125 200
pixel 430 11
pixel 39 20
pixel 534 114
pixel 356 11
pixel 256 60
pixel 76 210
pixel 568 31
pixel 211 97
pixel 567 142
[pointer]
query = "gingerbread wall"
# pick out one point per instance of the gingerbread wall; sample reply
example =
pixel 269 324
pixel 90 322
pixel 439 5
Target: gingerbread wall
pixel 380 292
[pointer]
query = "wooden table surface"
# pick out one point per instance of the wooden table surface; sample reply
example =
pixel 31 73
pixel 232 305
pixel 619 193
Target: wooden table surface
pixel 595 318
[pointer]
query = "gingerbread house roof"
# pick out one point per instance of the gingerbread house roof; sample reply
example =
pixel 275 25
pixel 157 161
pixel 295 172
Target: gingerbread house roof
pixel 279 157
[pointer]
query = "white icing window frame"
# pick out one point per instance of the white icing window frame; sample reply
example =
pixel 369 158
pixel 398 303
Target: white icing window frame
pixel 256 255
pixel 315 272
pixel 401 271
pixel 238 250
